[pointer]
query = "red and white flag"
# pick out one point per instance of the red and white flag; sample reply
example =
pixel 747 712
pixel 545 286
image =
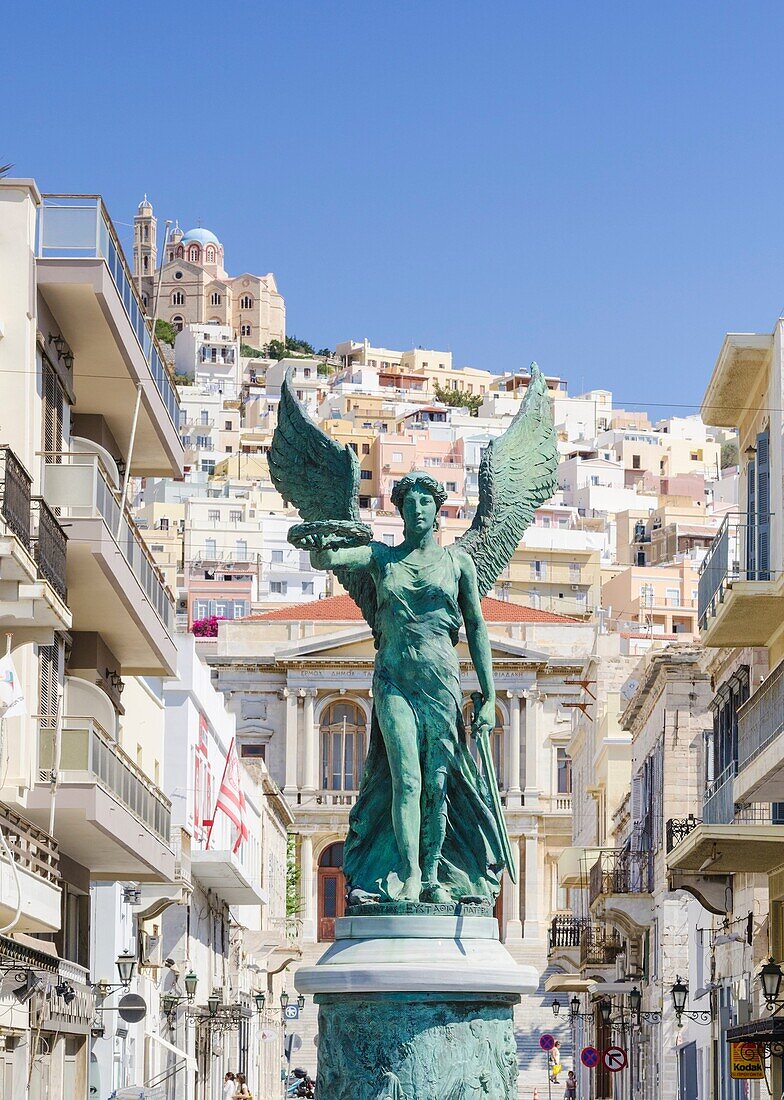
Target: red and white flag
pixel 231 799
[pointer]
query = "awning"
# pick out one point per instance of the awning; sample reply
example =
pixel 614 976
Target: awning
pixel 569 983
pixel 190 1061
pixel 574 865
pixel 770 1030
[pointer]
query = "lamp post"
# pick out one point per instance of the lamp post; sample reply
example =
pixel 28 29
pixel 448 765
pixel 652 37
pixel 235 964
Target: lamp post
pixel 679 993
pixel 770 977
pixel 126 965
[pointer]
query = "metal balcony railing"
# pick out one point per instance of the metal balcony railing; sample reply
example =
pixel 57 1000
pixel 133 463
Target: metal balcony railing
pixel 678 828
pixel 86 747
pixel 739 551
pixel 621 872
pixel 566 930
pixel 599 947
pixel 79 227
pixel 31 848
pixel 15 485
pixel 49 543
pixel 761 718
pixel 718 804
pixel 79 485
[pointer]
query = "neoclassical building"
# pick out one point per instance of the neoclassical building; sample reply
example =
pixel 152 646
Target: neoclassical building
pixel 195 287
pixel 299 680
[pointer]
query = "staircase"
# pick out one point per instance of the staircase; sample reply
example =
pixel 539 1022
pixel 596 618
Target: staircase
pixel 533 1017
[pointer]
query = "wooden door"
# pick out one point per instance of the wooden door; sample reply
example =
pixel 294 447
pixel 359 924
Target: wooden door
pixel 331 900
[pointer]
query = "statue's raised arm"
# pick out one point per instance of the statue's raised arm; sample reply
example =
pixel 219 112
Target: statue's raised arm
pixel 518 472
pixel 312 471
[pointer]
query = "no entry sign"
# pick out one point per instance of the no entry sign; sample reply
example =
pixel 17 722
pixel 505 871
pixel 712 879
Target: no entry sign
pixel 615 1059
pixel 589 1056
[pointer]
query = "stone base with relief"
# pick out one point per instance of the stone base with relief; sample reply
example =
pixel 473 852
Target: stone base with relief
pixel 416 1008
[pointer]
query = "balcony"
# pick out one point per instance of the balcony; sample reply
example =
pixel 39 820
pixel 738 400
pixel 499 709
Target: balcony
pixel 36 859
pixel 760 726
pixel 108 815
pixel 679 828
pixel 620 887
pixel 83 275
pixel 740 601
pixel 226 874
pixel 32 588
pixel 565 932
pixel 114 586
pixel 598 947
pixel 718 804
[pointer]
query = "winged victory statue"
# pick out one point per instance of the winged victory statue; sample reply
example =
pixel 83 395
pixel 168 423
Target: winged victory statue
pixel 427 825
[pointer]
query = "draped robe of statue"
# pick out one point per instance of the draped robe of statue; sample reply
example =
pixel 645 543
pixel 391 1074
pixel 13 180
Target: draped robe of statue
pixel 417 625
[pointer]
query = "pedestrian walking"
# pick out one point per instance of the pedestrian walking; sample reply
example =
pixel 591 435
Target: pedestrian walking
pixel 570 1092
pixel 229 1086
pixel 243 1092
pixel 555 1062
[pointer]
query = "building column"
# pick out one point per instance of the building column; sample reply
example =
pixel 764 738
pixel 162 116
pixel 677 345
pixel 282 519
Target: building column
pixel 308 887
pixel 513 792
pixel 310 779
pixel 533 735
pixel 533 926
pixel 290 696
pixel 514 926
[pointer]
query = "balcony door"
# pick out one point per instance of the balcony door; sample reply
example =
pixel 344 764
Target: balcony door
pixel 331 891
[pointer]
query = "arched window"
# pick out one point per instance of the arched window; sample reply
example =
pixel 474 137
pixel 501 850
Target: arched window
pixel 246 302
pixel 210 255
pixel 215 299
pixel 178 298
pixel 496 741
pixel 245 330
pixel 332 856
pixel 177 322
pixel 342 746
pixel 171 253
pixel 193 254
pixel 180 252
pixel 146 263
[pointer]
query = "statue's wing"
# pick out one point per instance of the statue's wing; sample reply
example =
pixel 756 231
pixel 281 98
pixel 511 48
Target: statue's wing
pixel 309 469
pixel 518 472
pixel 320 478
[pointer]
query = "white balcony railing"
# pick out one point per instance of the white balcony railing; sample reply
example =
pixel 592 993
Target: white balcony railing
pixel 79 487
pixel 79 227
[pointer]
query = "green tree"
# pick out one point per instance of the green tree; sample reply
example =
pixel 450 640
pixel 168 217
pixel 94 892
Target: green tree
pixel 459 399
pixel 293 875
pixel 276 349
pixel 729 453
pixel 251 353
pixel 165 332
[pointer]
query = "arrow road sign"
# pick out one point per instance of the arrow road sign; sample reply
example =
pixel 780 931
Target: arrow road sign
pixel 589 1056
pixel 547 1041
pixel 615 1059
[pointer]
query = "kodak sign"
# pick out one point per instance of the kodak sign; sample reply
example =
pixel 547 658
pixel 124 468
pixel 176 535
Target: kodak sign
pixel 747 1062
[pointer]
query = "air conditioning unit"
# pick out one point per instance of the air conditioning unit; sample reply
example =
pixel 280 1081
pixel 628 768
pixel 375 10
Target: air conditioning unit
pixel 575 588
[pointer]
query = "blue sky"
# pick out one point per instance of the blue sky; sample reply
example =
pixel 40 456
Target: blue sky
pixel 595 185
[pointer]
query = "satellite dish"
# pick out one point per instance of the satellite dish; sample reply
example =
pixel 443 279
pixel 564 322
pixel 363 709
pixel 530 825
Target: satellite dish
pixel 132 1008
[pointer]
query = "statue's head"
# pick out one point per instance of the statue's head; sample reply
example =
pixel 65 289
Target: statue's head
pixel 418 497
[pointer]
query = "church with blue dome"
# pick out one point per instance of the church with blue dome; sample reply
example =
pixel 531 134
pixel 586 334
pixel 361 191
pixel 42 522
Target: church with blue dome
pixel 196 289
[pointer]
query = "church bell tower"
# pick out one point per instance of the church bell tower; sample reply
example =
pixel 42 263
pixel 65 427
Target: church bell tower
pixel 145 248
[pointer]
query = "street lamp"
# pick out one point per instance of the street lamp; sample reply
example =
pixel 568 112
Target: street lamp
pixel 605 1011
pixel 126 964
pixel 169 1002
pixel 679 994
pixel 301 1001
pixel 556 1006
pixel 574 1007
pixel 260 999
pixel 213 1004
pixel 771 977
pixel 284 1000
pixel 635 1003
pixel 191 981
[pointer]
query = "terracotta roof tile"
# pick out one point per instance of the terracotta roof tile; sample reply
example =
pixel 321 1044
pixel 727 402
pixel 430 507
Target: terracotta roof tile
pixel 342 609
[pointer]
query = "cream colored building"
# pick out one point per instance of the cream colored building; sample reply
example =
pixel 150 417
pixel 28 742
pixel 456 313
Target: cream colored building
pixel 660 599
pixel 195 287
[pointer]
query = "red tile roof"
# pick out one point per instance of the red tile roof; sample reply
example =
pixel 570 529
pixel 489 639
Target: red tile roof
pixel 342 609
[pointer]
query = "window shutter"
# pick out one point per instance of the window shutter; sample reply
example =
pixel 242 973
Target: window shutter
pixel 53 402
pixel 751 521
pixel 763 507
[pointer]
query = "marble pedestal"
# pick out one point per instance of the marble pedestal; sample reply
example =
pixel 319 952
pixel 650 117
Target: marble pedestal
pixel 416 1007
